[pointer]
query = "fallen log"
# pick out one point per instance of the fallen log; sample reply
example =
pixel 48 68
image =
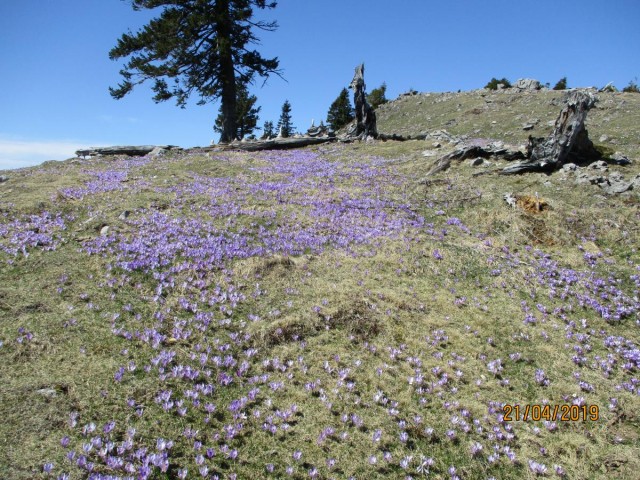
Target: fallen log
pixel 568 143
pixel 274 144
pixel 130 150
pixel 473 151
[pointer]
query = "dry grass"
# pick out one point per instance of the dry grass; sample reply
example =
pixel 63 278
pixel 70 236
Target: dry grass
pixel 445 299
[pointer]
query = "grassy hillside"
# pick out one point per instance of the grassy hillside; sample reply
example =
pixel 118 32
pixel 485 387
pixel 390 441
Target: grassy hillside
pixel 502 114
pixel 322 314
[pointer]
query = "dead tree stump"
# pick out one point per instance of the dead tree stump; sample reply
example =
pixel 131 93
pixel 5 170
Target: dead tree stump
pixel 569 141
pixel 365 125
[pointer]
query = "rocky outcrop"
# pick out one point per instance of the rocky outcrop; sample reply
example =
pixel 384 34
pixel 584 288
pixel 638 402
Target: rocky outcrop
pixel 527 84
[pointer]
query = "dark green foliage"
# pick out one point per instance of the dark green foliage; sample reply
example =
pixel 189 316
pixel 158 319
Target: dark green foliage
pixel 632 87
pixel 494 82
pixel 246 114
pixel 200 46
pixel 267 129
pixel 341 111
pixel 561 85
pixel 285 120
pixel 377 96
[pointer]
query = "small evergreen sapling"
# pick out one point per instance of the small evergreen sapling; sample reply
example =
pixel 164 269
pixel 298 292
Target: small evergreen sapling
pixel 561 85
pixel 341 111
pixel 284 122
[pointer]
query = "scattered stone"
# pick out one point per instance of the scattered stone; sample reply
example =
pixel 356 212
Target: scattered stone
pixel 619 159
pixel 604 138
pixel 47 392
pixel 510 199
pixel 600 166
pixel 124 215
pixel 615 184
pixel 528 126
pixel 609 87
pixel 436 145
pixel 3 178
pixel 104 231
pixel 428 153
pixel 528 84
pixel 476 162
pixel 569 167
pixel 157 152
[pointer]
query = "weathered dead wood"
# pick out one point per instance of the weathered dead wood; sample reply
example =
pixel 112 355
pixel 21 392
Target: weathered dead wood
pixel 400 138
pixel 131 150
pixel 569 141
pixel 274 144
pixel 365 124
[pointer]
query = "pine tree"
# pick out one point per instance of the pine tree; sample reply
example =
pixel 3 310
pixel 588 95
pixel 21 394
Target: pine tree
pixel 377 96
pixel 561 85
pixel 246 114
pixel 494 82
pixel 340 112
pixel 201 46
pixel 285 120
pixel 267 130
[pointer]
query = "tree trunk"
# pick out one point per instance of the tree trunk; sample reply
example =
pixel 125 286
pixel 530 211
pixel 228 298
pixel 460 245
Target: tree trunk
pixel 569 141
pixel 365 125
pixel 227 72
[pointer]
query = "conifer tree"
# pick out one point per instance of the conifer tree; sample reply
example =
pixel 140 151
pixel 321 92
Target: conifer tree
pixel 377 96
pixel 246 114
pixel 285 120
pixel 561 85
pixel 201 46
pixel 340 112
pixel 267 130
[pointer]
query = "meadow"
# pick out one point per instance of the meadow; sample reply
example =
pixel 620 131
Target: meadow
pixel 316 313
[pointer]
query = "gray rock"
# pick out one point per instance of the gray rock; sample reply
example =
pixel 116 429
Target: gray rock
pixel 613 186
pixel 528 126
pixel 510 199
pixel 569 167
pixel 436 145
pixel 104 230
pixel 528 84
pixel 585 178
pixel 620 159
pixel 3 178
pixel 603 138
pixel 600 166
pixel 47 392
pixel 124 215
pixel 157 152
pixel 428 153
pixel 476 162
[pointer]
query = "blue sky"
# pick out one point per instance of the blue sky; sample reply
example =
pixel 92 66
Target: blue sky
pixel 56 72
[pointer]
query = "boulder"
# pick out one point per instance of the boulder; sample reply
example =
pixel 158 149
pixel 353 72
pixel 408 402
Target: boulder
pixel 619 159
pixel 528 84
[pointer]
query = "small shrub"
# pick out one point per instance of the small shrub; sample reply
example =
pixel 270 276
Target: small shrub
pixel 561 85
pixel 494 82
pixel 632 87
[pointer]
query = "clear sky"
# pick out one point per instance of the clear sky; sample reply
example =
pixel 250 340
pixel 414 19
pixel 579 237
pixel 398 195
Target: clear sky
pixel 55 70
